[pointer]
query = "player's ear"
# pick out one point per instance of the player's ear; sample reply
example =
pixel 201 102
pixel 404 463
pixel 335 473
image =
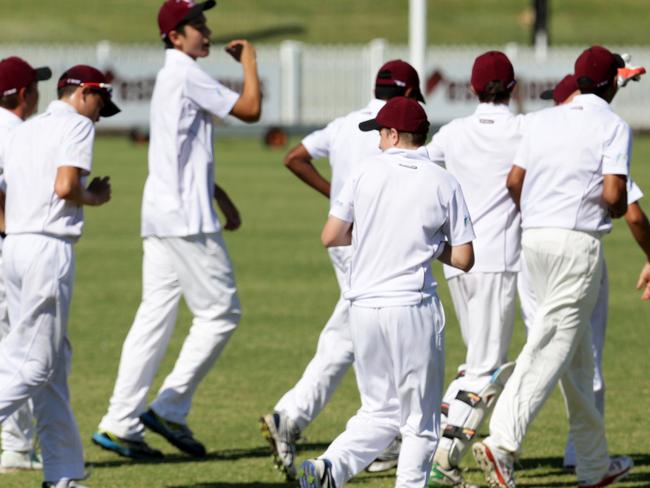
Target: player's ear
pixel 174 37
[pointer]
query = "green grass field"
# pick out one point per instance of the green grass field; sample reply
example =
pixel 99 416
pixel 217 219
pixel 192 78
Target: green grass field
pixel 288 291
pixel 333 21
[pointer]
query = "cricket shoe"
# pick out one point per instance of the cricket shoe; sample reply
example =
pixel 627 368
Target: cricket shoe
pixel 281 433
pixel 20 461
pixel 497 465
pixel 447 477
pixel 619 468
pixel 178 435
pixel 388 458
pixel 139 450
pixel 62 483
pixel 316 473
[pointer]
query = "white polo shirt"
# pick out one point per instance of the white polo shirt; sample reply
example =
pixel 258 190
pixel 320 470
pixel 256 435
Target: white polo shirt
pixel 8 122
pixel 34 152
pixel 566 151
pixel 344 144
pixel 479 150
pixel 634 193
pixel 179 191
pixel 403 209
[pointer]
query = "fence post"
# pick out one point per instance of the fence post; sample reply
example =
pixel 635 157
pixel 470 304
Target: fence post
pixel 376 57
pixel 290 82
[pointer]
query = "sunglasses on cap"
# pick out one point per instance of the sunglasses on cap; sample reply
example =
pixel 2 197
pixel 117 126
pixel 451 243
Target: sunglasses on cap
pixel 89 84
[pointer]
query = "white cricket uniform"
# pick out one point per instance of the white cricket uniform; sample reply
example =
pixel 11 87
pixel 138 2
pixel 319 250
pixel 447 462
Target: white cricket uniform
pixel 184 251
pixel 479 150
pixel 598 323
pixel 346 146
pixel 39 266
pixel 18 429
pixel 403 209
pixel 566 151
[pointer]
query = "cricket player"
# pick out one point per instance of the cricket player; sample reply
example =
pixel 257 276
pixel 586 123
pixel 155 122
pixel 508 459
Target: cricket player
pixel 346 146
pixel 637 221
pixel 478 150
pixel 184 250
pixel 399 212
pixel 46 193
pixel 18 101
pixel 569 178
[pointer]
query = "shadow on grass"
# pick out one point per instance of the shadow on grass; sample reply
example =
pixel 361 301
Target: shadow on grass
pixel 252 484
pixel 225 455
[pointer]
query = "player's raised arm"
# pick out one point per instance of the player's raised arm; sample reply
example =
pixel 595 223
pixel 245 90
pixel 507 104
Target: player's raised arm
pixel 299 162
pixel 248 107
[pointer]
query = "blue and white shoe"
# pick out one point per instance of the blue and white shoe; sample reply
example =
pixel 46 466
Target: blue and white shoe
pixel 316 473
pixel 132 449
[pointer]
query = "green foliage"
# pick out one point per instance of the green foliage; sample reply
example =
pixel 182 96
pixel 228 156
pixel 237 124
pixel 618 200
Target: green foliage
pixel 333 21
pixel 288 290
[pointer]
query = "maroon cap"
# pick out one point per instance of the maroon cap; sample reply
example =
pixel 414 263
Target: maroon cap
pixel 400 113
pixel 173 12
pixel 16 73
pixel 400 73
pixel 492 66
pixel 87 76
pixel 599 65
pixel 562 90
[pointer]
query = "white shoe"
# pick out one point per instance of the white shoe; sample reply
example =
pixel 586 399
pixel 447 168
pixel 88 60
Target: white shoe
pixel 497 465
pixel 63 483
pixel 388 458
pixel 619 468
pixel 281 433
pixel 20 460
pixel 316 473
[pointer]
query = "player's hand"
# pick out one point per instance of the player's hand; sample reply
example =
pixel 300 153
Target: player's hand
pixel 644 281
pixel 242 51
pixel 100 190
pixel 228 208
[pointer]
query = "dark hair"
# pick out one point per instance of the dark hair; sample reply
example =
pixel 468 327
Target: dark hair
pixel 495 92
pixel 180 28
pixel 586 85
pixel 66 91
pixel 386 92
pixel 413 138
pixel 10 102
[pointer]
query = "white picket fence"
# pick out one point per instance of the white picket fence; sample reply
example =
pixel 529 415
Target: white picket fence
pixel 308 85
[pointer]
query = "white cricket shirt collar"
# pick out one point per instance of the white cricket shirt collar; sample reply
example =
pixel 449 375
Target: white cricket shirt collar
pixel 9 117
pixel 590 99
pixel 175 56
pixel 57 106
pixel 492 108
pixel 419 154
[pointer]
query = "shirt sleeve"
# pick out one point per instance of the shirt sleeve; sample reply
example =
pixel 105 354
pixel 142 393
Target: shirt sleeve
pixel 617 150
pixel 319 142
pixel 209 94
pixel 343 205
pixel 458 228
pixel 634 193
pixel 77 145
pixel 435 148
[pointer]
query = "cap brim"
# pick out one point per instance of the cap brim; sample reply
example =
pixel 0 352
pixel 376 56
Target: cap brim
pixel 620 62
pixel 109 108
pixel 43 73
pixel 198 9
pixel 546 95
pixel 369 125
pixel 418 96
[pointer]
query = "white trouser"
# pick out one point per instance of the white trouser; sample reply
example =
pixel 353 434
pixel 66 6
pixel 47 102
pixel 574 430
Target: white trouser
pixel 334 356
pixel 565 268
pixel 35 356
pixel 399 365
pixel 485 307
pixel 198 267
pixel 598 329
pixel 18 429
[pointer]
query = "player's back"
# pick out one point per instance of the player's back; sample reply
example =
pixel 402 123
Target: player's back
pixel 565 151
pixel 344 144
pixel 479 151
pixel 32 156
pixel 402 203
